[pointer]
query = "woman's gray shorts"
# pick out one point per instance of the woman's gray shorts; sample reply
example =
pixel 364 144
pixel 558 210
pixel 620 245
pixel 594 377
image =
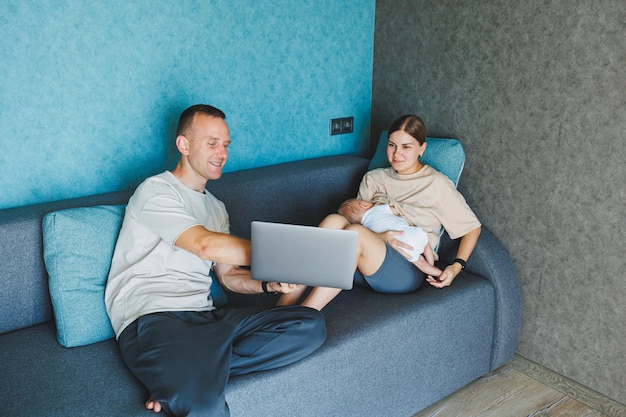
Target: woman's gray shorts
pixel 395 276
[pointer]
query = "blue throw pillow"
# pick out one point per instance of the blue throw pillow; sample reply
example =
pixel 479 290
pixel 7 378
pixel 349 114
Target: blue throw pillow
pixel 78 248
pixel 445 155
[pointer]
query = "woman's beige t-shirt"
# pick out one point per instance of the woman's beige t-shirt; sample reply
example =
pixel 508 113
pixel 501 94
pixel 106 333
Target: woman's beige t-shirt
pixel 427 199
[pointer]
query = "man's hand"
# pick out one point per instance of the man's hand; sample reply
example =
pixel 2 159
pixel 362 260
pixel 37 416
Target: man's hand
pixel 283 288
pixel 238 280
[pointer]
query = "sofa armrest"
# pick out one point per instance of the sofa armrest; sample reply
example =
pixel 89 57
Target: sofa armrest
pixel 491 261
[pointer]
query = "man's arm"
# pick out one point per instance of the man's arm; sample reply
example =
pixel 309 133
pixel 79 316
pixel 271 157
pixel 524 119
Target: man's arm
pixel 228 253
pixel 220 248
pixel 238 280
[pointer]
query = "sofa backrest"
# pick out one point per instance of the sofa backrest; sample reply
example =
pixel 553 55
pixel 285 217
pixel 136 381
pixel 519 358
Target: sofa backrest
pixel 24 297
pixel 301 192
pixel 297 192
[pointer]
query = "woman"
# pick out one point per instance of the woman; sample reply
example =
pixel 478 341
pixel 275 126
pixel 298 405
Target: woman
pixel 424 197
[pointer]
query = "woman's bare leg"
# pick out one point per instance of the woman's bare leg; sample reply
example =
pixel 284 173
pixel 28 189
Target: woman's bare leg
pixel 291 298
pixel 334 221
pixel 320 297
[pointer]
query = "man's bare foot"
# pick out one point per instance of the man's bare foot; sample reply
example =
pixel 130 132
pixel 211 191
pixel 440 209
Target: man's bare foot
pixel 153 405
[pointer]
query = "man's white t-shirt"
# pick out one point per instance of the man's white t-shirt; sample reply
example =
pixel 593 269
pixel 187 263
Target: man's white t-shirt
pixel 148 273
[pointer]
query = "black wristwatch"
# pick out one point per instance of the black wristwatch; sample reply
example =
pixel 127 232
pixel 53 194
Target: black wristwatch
pixel 460 262
pixel 265 290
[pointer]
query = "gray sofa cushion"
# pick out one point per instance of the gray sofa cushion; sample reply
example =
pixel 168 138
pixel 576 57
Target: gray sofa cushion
pixel 409 349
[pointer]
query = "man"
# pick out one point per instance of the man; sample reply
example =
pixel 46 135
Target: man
pixel 158 297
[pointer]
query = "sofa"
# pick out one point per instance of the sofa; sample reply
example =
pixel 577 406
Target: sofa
pixel 385 355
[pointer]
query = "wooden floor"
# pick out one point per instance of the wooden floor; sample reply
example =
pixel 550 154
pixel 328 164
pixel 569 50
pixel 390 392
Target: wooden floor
pixel 522 388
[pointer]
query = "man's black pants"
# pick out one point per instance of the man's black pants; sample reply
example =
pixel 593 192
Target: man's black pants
pixel 185 358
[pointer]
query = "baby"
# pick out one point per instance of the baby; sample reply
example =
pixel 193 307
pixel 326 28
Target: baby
pixel 383 217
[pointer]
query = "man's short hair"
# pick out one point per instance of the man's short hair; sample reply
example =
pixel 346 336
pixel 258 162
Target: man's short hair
pixel 186 117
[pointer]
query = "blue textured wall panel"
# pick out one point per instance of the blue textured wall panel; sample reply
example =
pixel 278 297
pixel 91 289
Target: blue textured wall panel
pixel 91 91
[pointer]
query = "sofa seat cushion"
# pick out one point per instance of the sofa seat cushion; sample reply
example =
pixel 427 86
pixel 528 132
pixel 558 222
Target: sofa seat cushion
pixel 410 349
pixel 379 347
pixel 42 378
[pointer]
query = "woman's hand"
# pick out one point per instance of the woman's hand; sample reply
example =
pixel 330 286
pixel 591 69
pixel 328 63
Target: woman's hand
pixel 447 276
pixel 466 247
pixel 390 238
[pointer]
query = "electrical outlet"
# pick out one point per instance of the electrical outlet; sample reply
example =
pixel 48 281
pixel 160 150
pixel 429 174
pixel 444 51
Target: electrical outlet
pixel 347 125
pixel 341 125
pixel 335 126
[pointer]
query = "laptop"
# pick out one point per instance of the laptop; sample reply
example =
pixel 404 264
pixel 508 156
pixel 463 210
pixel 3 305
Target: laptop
pixel 307 255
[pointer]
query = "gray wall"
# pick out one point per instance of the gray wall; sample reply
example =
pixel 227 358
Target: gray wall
pixel 536 91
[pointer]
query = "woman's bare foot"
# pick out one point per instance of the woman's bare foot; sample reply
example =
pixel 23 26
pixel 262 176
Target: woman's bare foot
pixel 153 405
